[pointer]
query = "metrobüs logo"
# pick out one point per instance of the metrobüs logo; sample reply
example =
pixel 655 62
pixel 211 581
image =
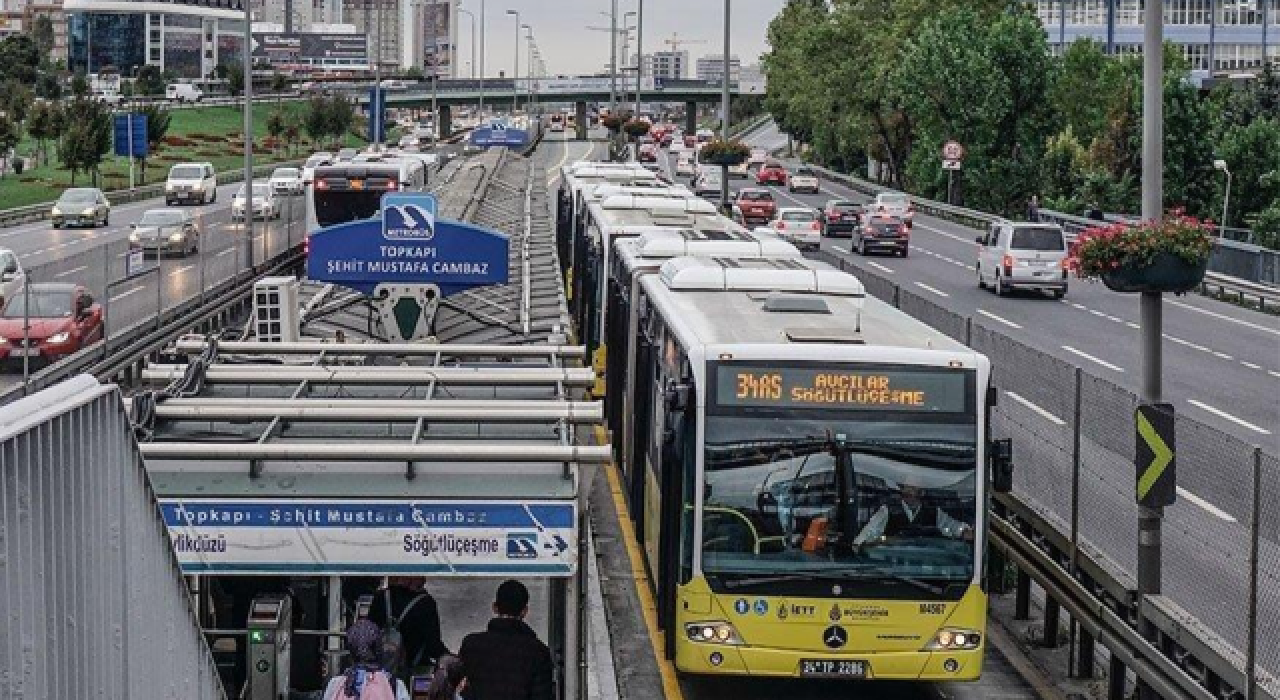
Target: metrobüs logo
pixel 408 222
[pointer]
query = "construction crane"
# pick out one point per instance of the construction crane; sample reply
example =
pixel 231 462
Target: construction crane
pixel 675 42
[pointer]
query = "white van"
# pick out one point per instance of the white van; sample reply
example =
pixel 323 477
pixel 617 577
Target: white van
pixel 183 92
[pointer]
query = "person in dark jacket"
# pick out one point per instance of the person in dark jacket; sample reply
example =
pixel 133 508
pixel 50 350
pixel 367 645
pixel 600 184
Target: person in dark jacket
pixel 415 614
pixel 507 661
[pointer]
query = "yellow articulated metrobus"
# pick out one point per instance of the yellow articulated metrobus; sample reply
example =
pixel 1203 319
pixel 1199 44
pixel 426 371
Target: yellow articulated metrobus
pixel 808 469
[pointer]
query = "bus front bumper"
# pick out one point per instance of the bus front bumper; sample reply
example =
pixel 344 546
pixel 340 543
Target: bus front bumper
pixel 692 657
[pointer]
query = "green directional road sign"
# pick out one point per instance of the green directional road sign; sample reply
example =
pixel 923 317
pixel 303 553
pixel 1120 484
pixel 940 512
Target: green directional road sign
pixel 1156 455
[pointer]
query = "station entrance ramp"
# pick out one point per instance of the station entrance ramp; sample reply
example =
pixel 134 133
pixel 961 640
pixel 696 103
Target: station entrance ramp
pixel 94 602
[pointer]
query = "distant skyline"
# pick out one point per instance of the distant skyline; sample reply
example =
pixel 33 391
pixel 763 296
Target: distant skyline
pixel 568 47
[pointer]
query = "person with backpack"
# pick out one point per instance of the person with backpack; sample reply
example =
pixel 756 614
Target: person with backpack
pixel 367 678
pixel 507 661
pixel 449 681
pixel 411 629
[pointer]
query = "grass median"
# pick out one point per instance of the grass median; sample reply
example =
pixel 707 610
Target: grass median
pixel 201 134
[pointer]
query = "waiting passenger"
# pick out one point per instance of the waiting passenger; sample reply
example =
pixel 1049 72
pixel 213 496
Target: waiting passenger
pixel 368 678
pixel 507 661
pixel 449 681
pixel 415 616
pixel 911 517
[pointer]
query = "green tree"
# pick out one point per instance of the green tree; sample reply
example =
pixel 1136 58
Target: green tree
pixel 86 138
pixel 149 81
pixel 342 116
pixel 79 85
pixel 279 83
pixel 276 124
pixel 19 59
pixel 292 132
pixel 10 135
pixel 42 35
pixel 1266 227
pixel 1062 171
pixel 316 119
pixel 48 87
pixel 41 126
pixel 1252 153
pixel 235 79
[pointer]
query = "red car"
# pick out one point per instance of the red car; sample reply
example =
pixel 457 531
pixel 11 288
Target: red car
pixel 690 141
pixel 771 173
pixel 755 205
pixel 63 319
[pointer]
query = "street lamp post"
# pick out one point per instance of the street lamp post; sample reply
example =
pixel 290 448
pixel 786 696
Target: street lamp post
pixel 626 48
pixel 471 70
pixel 639 54
pixel 724 111
pixel 515 73
pixel 481 68
pixel 528 61
pixel 247 64
pixel 613 59
pixel 1226 200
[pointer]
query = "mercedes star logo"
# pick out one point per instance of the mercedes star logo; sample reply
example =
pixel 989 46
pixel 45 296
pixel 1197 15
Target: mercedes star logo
pixel 835 637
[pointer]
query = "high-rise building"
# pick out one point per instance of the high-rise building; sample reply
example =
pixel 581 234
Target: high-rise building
pixel 1216 36
pixel 187 39
pixel 19 16
pixel 668 65
pixel 711 68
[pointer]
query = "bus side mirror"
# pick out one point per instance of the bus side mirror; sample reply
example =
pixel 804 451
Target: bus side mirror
pixel 1002 465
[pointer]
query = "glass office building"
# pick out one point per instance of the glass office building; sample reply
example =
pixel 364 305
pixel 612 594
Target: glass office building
pixel 1216 36
pixel 188 41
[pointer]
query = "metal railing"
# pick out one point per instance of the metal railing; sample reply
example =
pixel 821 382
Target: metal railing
pixel 1241 270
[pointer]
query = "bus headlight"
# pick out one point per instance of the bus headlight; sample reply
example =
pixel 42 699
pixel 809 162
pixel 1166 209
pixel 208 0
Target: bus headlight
pixel 951 639
pixel 713 632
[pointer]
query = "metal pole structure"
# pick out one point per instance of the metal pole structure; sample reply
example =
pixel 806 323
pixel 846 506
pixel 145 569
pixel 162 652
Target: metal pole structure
pixel 435 76
pixel 26 334
pixel 472 16
pixel 1226 201
pixel 1150 520
pixel 248 134
pixel 1251 640
pixel 724 111
pixel 639 54
pixel 515 74
pixel 481 109
pixel 613 58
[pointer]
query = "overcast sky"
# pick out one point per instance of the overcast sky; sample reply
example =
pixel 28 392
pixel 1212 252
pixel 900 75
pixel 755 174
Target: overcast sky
pixel 567 47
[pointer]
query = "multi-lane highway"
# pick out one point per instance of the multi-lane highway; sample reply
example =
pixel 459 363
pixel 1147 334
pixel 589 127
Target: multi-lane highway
pixel 97 258
pixel 1222 368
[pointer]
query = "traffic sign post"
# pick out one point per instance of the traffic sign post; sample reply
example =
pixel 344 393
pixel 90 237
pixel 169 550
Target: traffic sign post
pixel 952 155
pixel 131 138
pixel 1156 456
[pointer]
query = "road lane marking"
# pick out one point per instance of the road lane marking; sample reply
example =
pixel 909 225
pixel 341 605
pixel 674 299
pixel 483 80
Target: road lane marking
pixel 940 232
pixel 228 251
pixel 1186 343
pixel 1224 317
pixel 1274 373
pixel 883 268
pixel 1039 411
pixel 72 271
pixel 1223 355
pixel 1132 325
pixel 1223 414
pixel 182 269
pixel 1082 307
pixel 1250 365
pixel 927 288
pixel 1212 509
pixel 1091 358
pixel 1001 319
pixel 127 292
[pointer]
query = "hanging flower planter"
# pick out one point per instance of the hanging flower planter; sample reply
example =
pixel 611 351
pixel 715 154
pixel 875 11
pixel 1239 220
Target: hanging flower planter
pixel 612 123
pixel 636 128
pixel 1170 255
pixel 720 152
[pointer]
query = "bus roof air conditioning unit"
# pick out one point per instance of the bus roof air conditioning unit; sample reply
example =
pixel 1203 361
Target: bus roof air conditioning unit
pixel 275 310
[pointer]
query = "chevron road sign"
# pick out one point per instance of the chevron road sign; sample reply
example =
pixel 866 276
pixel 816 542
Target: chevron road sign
pixel 1155 456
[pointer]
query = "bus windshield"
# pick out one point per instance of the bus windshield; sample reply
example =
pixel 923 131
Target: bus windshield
pixel 815 499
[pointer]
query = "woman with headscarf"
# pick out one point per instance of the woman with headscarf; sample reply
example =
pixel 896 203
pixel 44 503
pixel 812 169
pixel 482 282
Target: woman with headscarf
pixel 367 678
pixel 449 680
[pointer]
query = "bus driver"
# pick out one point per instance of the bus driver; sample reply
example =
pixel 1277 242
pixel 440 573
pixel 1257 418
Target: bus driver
pixel 909 517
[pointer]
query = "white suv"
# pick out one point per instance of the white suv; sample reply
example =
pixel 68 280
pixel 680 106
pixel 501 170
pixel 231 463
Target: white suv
pixel 191 183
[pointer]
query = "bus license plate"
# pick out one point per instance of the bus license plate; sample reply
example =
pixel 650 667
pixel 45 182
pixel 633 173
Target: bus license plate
pixel 830 668
pixel 357 184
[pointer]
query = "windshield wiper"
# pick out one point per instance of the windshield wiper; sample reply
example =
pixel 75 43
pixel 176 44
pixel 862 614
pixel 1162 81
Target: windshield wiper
pixel 760 580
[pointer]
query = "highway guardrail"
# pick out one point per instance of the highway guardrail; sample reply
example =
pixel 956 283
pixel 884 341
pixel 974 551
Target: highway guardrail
pixel 40 212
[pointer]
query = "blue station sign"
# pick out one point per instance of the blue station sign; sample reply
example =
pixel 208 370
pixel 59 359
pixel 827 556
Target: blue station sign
pixel 499 134
pixel 408 245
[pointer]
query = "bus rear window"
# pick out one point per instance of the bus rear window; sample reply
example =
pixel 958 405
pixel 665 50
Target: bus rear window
pixel 342 206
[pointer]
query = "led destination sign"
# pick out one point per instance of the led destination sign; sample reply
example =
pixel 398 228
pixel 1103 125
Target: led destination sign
pixel 941 391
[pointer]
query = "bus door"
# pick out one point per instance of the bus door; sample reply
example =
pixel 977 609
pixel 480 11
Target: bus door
pixel 679 455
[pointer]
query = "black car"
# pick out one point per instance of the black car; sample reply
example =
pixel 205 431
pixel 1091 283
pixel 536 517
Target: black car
pixel 840 217
pixel 880 232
